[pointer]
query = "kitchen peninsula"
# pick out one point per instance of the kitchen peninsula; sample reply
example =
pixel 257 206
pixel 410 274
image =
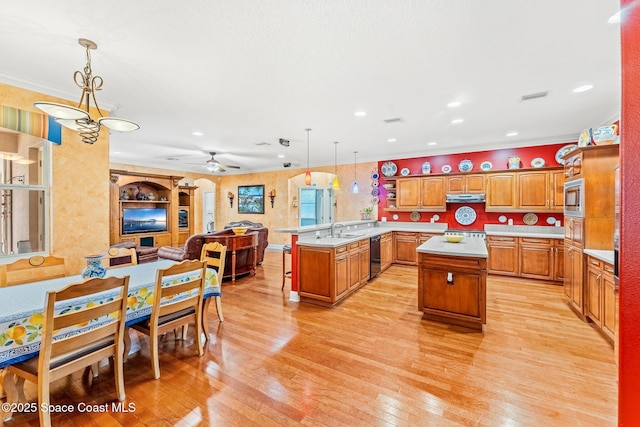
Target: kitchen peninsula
pixel 452 281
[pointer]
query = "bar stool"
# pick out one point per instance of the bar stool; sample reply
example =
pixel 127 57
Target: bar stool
pixel 286 250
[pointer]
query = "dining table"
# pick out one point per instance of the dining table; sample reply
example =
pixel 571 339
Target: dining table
pixel 21 306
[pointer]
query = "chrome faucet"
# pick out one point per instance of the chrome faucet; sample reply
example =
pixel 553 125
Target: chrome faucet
pixel 334 226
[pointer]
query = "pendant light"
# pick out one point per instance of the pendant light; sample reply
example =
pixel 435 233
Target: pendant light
pixel 336 184
pixel 355 188
pixel 307 175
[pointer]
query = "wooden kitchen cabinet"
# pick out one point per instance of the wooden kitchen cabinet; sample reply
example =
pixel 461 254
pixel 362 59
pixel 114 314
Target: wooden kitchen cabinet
pixel 386 251
pixel 329 275
pixel 573 277
pixel 601 298
pixel 534 190
pixel 503 255
pixel 465 184
pixel 404 247
pixel 501 192
pixel 558 263
pixel 536 258
pixel 420 194
pixel 452 289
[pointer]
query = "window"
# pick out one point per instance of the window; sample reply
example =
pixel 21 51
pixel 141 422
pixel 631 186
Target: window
pixel 24 193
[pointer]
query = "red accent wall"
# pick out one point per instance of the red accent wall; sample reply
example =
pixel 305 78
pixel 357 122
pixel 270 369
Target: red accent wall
pixel 499 160
pixel 629 334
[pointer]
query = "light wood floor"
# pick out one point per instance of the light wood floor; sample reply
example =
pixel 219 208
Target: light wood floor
pixel 371 361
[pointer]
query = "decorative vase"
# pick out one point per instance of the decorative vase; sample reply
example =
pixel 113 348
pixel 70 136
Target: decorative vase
pixel 366 215
pixel 94 267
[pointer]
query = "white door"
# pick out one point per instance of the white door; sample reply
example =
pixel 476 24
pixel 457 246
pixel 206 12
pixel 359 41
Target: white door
pixel 208 212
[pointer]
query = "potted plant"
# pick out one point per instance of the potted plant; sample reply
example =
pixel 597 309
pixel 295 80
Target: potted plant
pixel 366 212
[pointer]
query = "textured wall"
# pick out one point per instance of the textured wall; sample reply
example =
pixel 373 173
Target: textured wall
pixel 79 189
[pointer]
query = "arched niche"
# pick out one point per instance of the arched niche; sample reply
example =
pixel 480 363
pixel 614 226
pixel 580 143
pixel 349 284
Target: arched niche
pixel 319 180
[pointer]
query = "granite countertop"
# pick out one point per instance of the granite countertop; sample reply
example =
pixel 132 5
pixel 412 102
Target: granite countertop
pixel 602 255
pixel 541 231
pixel 469 247
pixel 358 231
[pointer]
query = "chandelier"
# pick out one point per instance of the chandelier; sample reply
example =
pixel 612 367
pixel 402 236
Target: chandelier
pixel 78 119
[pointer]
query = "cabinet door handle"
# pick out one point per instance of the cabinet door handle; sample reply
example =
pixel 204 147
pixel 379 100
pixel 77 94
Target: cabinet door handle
pixel 449 278
pixel 598 277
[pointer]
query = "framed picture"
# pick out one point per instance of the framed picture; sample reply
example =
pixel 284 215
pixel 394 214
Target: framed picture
pixel 251 199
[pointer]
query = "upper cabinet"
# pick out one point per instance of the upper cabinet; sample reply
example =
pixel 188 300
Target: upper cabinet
pixel 421 193
pixel 465 184
pixel 526 191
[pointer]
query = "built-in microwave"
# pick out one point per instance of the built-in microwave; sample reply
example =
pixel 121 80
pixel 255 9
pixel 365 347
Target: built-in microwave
pixel 574 198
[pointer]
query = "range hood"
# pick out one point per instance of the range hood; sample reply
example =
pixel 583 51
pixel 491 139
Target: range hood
pixel 465 198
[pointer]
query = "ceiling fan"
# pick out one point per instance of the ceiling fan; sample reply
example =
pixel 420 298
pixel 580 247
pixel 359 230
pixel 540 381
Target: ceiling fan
pixel 215 166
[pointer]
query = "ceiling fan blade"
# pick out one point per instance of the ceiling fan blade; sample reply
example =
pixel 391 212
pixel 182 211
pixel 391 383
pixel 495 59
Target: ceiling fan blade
pixel 231 166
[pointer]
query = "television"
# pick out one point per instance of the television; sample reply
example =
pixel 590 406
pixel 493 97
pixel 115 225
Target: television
pixel 144 220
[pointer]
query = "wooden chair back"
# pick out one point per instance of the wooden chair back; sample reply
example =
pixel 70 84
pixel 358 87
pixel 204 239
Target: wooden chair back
pixel 120 257
pixel 214 254
pixel 177 302
pixel 32 269
pixel 61 357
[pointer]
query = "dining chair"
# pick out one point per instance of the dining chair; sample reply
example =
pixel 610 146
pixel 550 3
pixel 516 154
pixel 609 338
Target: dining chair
pixel 79 347
pixel 178 301
pixel 120 257
pixel 32 269
pixel 214 254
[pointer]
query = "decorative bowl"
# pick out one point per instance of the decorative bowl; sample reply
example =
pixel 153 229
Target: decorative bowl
pixel 452 238
pixel 239 231
pixel 389 186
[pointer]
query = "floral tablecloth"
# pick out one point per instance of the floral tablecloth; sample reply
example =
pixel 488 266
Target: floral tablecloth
pixel 21 306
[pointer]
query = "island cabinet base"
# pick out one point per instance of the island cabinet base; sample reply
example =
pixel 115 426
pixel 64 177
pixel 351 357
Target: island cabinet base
pixel 452 289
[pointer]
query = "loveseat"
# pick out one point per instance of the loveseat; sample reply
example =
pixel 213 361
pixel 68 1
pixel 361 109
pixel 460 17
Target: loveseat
pixel 143 253
pixel 244 258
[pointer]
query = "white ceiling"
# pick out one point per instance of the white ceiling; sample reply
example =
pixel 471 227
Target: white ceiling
pixel 245 72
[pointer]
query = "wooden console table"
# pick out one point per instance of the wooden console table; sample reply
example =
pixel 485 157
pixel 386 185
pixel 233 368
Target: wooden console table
pixel 236 244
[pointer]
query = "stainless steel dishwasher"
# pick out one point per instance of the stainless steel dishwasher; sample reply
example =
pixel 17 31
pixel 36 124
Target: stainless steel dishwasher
pixel 374 257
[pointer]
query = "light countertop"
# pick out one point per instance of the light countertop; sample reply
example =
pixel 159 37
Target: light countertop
pixel 540 231
pixel 602 255
pixel 469 247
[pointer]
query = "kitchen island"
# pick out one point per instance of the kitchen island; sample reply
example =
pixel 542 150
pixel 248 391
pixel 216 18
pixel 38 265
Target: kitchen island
pixel 452 281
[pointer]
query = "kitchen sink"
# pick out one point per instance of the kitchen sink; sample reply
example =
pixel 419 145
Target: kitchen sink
pixel 350 235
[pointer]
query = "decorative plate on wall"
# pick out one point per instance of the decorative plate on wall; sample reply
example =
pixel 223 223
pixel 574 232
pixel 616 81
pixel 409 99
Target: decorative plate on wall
pixel 415 216
pixel 538 162
pixel 405 172
pixel 465 215
pixel 389 169
pixel 530 218
pixel 446 168
pixel 486 166
pixel 564 150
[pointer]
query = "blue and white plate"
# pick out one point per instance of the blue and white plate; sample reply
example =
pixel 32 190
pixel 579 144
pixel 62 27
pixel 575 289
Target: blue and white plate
pixel 465 166
pixel 486 166
pixel 465 215
pixel 564 150
pixel 405 172
pixel 389 169
pixel 538 162
pixel 446 168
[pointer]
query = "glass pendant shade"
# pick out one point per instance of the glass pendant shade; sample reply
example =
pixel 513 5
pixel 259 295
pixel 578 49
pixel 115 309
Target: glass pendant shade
pixel 336 184
pixel 307 178
pixel 120 125
pixel 355 188
pixel 61 111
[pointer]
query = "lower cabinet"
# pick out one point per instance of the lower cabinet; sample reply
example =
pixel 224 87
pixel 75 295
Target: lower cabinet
pixel 386 251
pixel 328 275
pixel 405 245
pixel 601 298
pixel 573 287
pixel 530 257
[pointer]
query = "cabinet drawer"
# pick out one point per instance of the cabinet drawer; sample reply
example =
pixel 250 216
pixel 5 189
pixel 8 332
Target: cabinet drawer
pixel 341 249
pixel 364 243
pixel 354 245
pixel 535 241
pixel 442 262
pixel 594 262
pixel 502 239
pixel 405 234
pixel 608 268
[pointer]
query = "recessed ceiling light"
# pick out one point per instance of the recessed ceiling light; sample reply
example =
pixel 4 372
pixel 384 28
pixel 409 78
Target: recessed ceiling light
pixel 431 143
pixel 197 133
pixel 615 18
pixel 361 113
pixel 391 140
pixel 583 88
pixel 457 121
pixel 512 133
pixel 281 156
pixel 454 104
